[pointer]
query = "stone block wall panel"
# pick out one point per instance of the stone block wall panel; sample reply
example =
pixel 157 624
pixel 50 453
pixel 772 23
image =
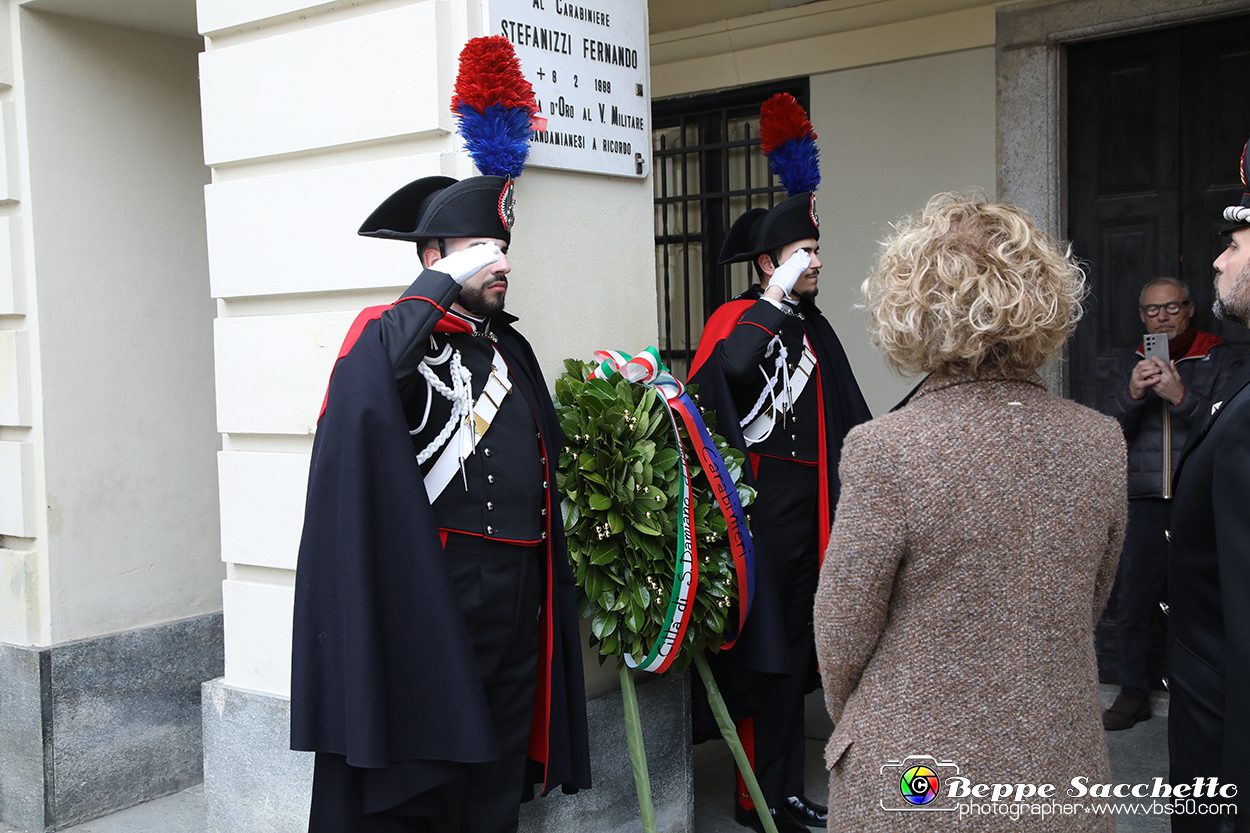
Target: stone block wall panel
pixel 258 639
pixel 17 511
pixel 323 86
pixel 314 214
pixel 272 371
pixel 262 507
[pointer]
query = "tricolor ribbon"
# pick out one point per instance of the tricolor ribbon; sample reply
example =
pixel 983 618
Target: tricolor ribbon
pixel 726 495
pixel 647 368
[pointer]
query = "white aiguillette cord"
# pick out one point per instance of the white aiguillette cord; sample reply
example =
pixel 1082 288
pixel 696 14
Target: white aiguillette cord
pixel 469 424
pixel 756 429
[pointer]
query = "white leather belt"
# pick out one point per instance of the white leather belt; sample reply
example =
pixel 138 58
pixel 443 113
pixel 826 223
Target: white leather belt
pixel 471 431
pixel 762 426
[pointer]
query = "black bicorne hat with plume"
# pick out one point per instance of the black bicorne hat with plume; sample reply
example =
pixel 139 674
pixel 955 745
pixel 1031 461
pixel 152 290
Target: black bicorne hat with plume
pixel 493 104
pixel 789 142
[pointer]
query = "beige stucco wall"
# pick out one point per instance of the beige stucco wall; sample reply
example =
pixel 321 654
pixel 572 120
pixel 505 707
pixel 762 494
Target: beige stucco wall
pixel 891 136
pixel 903 102
pixel 121 524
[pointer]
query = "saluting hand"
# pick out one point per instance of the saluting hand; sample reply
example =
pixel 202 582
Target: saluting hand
pixel 464 264
pixel 788 273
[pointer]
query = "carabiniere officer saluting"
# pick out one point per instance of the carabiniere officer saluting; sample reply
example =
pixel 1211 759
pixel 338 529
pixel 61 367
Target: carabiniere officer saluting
pixel 436 666
pixel 771 367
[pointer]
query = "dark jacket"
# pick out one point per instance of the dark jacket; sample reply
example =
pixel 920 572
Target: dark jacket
pixel 760 656
pixel 1208 590
pixel 382 666
pixel 1155 429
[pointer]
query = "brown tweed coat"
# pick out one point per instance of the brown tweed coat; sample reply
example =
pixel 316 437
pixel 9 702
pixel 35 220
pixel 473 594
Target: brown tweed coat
pixel 974 546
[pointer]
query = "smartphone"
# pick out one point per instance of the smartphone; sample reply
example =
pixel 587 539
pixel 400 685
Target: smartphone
pixel 1156 344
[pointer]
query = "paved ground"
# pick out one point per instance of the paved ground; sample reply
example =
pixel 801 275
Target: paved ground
pixel 1137 755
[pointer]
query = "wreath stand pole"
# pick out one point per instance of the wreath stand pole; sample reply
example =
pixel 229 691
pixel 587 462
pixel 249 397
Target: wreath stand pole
pixel 730 733
pixel 637 753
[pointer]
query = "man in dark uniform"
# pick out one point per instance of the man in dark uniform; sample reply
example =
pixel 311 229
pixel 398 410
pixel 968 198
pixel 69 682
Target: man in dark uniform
pixel 1157 403
pixel 771 367
pixel 437 668
pixel 1209 578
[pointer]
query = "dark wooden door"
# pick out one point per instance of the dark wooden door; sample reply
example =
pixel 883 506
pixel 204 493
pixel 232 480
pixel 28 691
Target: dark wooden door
pixel 1124 163
pixel 1156 123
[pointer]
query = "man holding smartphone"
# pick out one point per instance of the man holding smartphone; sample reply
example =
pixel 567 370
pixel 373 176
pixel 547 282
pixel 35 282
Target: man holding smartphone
pixel 1158 393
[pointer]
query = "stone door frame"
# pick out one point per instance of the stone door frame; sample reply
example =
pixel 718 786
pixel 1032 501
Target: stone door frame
pixel 1031 69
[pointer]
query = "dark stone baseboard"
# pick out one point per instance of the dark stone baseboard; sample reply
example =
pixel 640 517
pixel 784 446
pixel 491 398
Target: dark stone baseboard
pixel 97 725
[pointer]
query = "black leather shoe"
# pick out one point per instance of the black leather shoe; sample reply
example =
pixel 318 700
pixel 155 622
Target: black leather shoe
pixel 784 821
pixel 1125 712
pixel 806 811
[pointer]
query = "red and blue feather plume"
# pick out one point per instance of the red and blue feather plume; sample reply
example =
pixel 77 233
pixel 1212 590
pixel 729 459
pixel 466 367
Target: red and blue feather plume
pixel 789 142
pixel 493 103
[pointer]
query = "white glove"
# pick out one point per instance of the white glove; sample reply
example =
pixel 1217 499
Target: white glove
pixel 788 273
pixel 464 264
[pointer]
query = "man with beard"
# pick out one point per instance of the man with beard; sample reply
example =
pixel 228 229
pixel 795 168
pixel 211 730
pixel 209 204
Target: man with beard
pixel 1209 577
pixel 772 369
pixel 1157 402
pixel 436 665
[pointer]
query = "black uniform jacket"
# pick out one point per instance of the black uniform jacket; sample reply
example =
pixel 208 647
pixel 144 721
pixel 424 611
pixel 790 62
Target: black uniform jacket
pixel 382 667
pixel 760 653
pixel 1209 595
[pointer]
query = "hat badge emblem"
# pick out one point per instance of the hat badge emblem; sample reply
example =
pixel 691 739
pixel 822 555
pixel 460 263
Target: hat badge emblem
pixel 507 204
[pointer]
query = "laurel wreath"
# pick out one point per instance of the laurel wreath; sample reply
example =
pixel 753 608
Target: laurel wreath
pixel 620 479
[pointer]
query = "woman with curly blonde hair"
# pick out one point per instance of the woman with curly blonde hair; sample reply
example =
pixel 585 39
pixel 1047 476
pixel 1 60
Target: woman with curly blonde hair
pixel 974 544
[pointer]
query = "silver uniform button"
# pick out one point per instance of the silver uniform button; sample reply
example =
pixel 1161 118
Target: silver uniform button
pixel 1167 533
pixel 486 451
pixel 544 536
pixel 794 438
pixel 544 511
pixel 489 530
pixel 794 454
pixel 489 506
pixel 490 478
pixel 544 484
pixel 542 460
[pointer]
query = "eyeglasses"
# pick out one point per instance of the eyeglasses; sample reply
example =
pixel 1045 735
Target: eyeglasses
pixel 1172 307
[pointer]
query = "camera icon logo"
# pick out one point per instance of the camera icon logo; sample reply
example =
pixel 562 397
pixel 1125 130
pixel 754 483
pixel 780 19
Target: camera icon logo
pixel 915 783
pixel 919 785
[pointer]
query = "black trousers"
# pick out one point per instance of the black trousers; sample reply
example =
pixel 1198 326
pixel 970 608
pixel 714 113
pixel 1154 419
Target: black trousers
pixel 498 587
pixel 1142 582
pixel 784 531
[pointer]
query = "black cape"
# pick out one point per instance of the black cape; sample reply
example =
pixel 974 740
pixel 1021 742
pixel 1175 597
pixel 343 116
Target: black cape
pixel 1208 585
pixel 383 671
pixel 744 672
